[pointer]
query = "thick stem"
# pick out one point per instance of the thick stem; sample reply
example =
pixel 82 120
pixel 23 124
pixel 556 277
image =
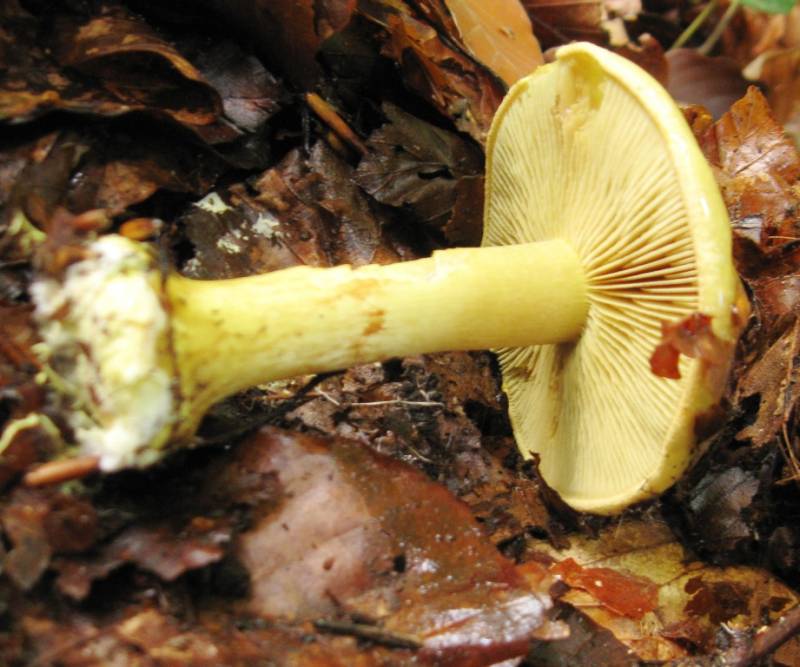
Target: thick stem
pixel 232 334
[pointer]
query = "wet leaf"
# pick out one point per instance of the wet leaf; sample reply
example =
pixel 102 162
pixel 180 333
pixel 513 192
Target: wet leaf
pixel 137 67
pixel 139 70
pixel 623 594
pixel 400 550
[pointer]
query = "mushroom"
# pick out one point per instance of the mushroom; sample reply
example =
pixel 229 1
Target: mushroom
pixel 602 220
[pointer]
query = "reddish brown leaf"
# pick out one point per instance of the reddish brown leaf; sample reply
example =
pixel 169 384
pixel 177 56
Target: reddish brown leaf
pixel 693 337
pixel 758 170
pixel 399 549
pixel 691 598
pixel 624 594
pixel 137 67
pixel 138 70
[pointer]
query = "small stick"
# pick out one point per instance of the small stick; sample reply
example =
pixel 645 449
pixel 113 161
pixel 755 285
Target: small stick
pixel 370 632
pixel 750 649
pixel 55 472
pixel 328 114
pixel 705 48
pixel 686 35
pixel 765 641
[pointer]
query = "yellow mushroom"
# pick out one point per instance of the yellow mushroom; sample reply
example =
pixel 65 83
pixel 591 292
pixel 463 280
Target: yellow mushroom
pixel 602 220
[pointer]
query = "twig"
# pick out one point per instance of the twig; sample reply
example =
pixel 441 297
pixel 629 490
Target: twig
pixel 328 115
pixel 764 642
pixel 687 34
pixel 394 401
pixel 55 472
pixel 730 12
pixel 400 401
pixel 749 649
pixel 370 632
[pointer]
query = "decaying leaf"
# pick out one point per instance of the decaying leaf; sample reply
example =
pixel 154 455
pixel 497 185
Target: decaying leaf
pixel 161 549
pixel 662 602
pixel 415 164
pixel 758 171
pixel 773 377
pixel 451 81
pixel 298 212
pixel 497 35
pixel 559 21
pixel 399 551
pixel 148 633
pixel 289 33
pixel 693 337
pixel 294 549
pixel 779 69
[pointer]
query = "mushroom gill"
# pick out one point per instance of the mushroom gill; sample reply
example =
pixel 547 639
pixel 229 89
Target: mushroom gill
pixel 605 179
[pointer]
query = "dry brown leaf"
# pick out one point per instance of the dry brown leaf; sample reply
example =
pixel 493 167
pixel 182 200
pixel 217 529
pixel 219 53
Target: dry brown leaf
pixel 758 169
pixel 457 86
pixel 772 377
pixel 417 165
pixel 499 35
pixel 557 22
pixel 779 69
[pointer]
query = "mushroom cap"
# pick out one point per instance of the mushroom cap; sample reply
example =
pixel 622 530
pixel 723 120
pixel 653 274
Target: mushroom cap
pixel 592 150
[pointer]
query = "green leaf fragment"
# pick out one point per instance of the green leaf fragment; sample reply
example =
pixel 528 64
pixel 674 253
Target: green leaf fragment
pixel 770 6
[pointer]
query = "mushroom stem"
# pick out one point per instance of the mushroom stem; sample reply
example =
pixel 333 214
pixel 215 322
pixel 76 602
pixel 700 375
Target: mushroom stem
pixel 232 334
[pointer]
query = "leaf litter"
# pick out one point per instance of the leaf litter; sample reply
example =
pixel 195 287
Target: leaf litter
pixel 380 515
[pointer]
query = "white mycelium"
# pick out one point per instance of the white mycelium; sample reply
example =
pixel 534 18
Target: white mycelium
pixel 106 337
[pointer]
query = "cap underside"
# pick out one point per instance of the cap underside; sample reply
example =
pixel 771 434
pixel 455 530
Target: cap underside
pixel 583 151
